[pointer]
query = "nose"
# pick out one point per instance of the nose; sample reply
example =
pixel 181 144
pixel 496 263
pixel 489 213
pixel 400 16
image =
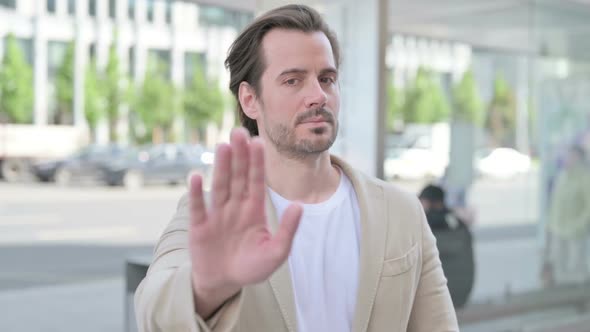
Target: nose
pixel 316 96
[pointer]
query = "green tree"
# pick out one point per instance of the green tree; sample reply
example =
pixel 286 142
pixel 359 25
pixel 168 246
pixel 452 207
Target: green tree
pixel 501 117
pixel 203 101
pixel 157 102
pixel 94 100
pixel 16 84
pixel 64 87
pixel 394 106
pixel 425 101
pixel 467 101
pixel 116 91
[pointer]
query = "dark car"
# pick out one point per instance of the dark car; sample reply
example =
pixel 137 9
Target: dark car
pixel 159 164
pixel 83 165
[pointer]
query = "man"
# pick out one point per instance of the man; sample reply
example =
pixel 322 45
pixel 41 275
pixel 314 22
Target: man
pixel 439 217
pixel 363 258
pixel 454 242
pixel 568 226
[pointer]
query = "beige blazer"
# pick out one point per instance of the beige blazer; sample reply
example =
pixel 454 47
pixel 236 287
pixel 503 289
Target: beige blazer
pixel 401 282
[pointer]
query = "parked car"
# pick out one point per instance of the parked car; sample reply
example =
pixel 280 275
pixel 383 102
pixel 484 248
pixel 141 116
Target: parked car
pixel 159 164
pixel 421 151
pixel 503 163
pixel 85 164
pixel 413 163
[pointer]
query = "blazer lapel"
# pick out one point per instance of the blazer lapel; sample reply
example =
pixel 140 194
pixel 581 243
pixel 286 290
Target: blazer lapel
pixel 280 281
pixel 373 215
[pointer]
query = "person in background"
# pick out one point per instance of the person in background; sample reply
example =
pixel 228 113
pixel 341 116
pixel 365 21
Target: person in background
pixel 454 242
pixel 439 216
pixel 568 226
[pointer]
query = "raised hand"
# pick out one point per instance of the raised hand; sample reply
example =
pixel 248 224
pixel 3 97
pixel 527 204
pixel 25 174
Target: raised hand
pixel 230 243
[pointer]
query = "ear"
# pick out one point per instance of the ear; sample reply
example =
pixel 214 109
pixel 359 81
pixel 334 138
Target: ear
pixel 248 100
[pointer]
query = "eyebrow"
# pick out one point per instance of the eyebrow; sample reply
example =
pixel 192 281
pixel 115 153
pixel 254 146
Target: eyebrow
pixel 329 70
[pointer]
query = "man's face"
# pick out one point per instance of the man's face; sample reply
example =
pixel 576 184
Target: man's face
pixel 431 205
pixel 299 99
pixel 426 205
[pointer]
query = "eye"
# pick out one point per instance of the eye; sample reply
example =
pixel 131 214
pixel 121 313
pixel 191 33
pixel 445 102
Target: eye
pixel 328 80
pixel 292 81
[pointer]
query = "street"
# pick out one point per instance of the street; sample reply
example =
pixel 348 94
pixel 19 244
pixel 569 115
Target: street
pixel 62 246
pixel 53 235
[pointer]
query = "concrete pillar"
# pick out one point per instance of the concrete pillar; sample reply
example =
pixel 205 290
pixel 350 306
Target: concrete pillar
pixel 522 107
pixel 140 11
pixel 363 82
pixel 40 70
pixel 80 61
pixel 102 10
pixel 26 7
pixel 61 7
pixel 177 58
pixel 121 11
pixel 159 13
pixel 141 51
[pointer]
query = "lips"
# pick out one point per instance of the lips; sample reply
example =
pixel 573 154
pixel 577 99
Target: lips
pixel 316 119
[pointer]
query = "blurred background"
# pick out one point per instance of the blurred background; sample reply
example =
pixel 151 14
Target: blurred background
pixel 108 107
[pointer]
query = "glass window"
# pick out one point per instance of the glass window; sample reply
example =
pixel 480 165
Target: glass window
pixel 211 16
pixel 113 9
pixel 168 11
pixel 161 58
pixel 218 16
pixel 8 3
pixel 92 51
pixel 131 9
pixel 191 61
pixel 150 10
pixel 56 53
pixel 72 7
pixel 131 61
pixel 92 8
pixel 51 6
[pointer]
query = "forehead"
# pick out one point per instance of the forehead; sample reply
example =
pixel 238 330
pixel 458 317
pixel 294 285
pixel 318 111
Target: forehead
pixel 284 48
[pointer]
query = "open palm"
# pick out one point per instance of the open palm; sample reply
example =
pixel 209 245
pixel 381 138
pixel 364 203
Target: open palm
pixel 230 243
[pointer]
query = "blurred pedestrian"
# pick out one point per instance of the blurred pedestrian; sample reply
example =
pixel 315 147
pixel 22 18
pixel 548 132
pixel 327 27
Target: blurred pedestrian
pixel 454 242
pixel 568 227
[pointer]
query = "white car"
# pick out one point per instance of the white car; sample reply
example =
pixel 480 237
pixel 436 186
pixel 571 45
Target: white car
pixel 413 164
pixel 504 163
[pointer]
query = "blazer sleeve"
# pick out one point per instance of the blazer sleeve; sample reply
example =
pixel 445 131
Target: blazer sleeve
pixel 164 299
pixel 433 309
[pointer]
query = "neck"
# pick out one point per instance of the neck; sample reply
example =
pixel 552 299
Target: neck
pixel 307 180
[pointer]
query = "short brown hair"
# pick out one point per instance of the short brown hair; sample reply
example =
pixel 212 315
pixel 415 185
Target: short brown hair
pixel 245 60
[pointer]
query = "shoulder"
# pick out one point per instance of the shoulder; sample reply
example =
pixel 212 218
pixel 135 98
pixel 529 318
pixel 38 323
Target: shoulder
pixel 397 209
pixel 392 193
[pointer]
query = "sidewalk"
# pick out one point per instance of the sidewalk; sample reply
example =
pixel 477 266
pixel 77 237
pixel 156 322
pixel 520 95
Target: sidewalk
pixel 502 266
pixel 92 307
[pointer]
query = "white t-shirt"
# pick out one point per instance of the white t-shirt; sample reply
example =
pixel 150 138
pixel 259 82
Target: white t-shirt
pixel 324 260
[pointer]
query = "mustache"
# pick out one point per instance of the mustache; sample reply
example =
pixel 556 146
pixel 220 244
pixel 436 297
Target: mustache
pixel 321 112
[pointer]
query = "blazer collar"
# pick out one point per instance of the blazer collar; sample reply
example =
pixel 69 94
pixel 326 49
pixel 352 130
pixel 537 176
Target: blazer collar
pixel 372 250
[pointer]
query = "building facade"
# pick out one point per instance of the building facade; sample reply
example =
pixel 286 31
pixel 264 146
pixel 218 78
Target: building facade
pixel 180 33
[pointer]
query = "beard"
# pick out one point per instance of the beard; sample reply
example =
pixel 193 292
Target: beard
pixel 285 139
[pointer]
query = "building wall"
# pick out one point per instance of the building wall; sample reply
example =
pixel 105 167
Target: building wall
pixel 139 26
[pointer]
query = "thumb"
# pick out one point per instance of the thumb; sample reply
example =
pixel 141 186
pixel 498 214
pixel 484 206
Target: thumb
pixel 283 239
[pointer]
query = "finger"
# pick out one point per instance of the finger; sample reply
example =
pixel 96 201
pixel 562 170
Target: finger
pixel 239 164
pixel 198 212
pixel 256 184
pixel 221 176
pixel 283 239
